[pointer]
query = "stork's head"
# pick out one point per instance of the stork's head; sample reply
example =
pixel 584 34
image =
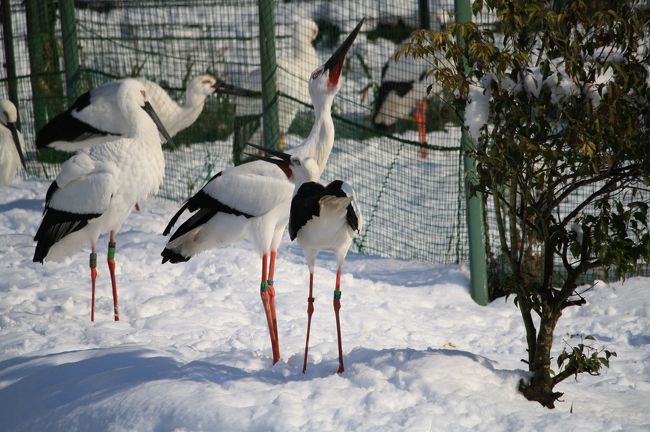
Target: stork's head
pixel 133 93
pixel 8 112
pixel 306 32
pixel 325 80
pixel 299 170
pixel 8 118
pixel 202 85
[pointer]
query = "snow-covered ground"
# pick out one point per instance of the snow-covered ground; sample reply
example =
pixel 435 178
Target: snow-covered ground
pixel 192 351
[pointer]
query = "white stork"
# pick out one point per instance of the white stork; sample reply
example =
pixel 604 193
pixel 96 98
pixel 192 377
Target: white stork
pixel 11 143
pixel 96 189
pixel 292 75
pixel 323 218
pixel 251 201
pixel 95 116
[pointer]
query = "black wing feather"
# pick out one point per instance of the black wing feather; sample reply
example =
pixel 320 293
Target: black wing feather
pixel 66 127
pixel 50 192
pixel 386 87
pixel 304 206
pixel 336 189
pixel 57 224
pixel 192 204
pixel 201 201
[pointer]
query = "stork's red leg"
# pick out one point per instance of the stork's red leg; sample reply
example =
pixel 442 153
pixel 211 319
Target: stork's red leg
pixel 93 278
pixel 110 259
pixel 271 289
pixel 264 294
pixel 310 311
pixel 337 307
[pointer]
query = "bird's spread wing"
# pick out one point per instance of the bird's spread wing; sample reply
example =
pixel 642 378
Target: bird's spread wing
pixel 304 206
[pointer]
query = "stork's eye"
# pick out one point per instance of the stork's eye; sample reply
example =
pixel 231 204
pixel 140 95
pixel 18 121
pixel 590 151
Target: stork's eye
pixel 316 74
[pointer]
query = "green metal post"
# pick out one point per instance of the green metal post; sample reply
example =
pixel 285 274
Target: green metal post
pixel 425 15
pixel 43 61
pixel 474 210
pixel 10 58
pixel 70 50
pixel 269 86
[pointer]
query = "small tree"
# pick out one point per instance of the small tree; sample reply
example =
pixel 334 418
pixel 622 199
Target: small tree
pixel 560 111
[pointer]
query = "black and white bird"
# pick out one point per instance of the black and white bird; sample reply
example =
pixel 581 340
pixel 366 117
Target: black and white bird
pixel 322 218
pixel 95 117
pixel 251 201
pixel 292 77
pixel 403 83
pixel 11 143
pixel 96 189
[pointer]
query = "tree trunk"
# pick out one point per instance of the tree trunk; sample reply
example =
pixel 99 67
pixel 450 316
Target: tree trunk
pixel 540 388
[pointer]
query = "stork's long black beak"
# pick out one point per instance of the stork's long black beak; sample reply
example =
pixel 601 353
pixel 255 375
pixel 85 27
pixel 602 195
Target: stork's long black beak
pixel 284 156
pixel 149 110
pixel 14 135
pixel 229 89
pixel 284 162
pixel 335 63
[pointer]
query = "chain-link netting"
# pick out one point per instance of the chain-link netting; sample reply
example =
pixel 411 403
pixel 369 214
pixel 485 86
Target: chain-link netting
pixel 403 162
pixel 530 246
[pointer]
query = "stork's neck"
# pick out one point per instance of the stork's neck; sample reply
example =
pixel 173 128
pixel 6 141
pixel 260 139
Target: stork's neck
pixel 194 100
pixel 318 144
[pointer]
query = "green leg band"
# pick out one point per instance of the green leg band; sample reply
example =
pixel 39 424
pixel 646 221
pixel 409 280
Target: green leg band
pixel 111 251
pixel 264 286
pixel 337 295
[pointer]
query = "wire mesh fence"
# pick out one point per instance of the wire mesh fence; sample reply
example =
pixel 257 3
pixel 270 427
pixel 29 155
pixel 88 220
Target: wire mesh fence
pixel 411 193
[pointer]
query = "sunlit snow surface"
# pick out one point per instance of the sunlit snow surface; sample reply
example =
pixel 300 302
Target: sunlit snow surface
pixel 192 351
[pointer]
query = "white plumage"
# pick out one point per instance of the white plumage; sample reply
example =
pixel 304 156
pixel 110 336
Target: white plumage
pixel 322 218
pixel 11 143
pixel 95 117
pixel 173 115
pixel 96 189
pixel 251 201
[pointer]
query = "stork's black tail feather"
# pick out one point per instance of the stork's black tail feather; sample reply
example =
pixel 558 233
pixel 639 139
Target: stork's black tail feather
pixel 172 257
pixel 174 218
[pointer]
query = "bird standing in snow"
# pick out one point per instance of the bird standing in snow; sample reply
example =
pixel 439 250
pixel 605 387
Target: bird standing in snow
pixel 95 117
pixel 292 75
pixel 96 189
pixel 252 201
pixel 322 218
pixel 11 142
pixel 403 84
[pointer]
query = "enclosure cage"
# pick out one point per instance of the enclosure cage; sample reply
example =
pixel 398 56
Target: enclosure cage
pixel 413 206
pixel 397 145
